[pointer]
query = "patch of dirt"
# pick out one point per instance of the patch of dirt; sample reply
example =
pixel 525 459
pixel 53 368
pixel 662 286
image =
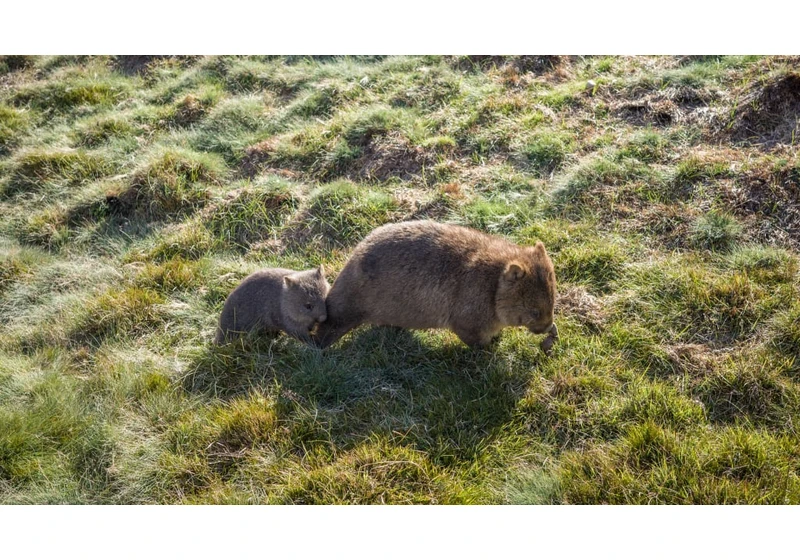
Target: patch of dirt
pixel 135 64
pixel 769 113
pixel 270 247
pixel 141 63
pixel 693 359
pixel 578 303
pixel 670 223
pixel 673 105
pixel 773 198
pixel 189 110
pixel 388 156
pixel 256 158
pixel 536 64
pixel 391 156
pixel 17 62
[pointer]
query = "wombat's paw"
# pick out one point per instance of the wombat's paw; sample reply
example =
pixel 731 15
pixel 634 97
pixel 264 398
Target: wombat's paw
pixel 547 344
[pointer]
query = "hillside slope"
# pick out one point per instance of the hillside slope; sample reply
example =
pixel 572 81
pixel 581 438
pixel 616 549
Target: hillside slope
pixel 135 192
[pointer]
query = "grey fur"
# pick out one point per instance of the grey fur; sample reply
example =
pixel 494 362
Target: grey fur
pixel 275 299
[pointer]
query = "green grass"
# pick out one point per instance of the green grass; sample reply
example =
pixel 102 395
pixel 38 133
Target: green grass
pixel 132 205
pixel 172 181
pixel 55 171
pixel 13 124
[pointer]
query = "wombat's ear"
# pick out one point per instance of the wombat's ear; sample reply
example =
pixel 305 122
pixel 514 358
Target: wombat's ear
pixel 289 281
pixel 539 248
pixel 321 271
pixel 513 271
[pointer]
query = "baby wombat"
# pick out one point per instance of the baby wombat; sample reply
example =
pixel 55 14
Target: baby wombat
pixel 424 274
pixel 275 299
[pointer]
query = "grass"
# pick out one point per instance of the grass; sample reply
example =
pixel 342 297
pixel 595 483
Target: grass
pixel 54 171
pixel 13 124
pixel 132 205
pixel 171 182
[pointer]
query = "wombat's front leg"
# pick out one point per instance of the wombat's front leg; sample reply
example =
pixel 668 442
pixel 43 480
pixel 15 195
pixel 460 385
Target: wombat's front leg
pixel 474 338
pixel 548 342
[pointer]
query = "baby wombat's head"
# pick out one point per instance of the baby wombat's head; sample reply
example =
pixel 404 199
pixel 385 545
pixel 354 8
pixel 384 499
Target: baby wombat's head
pixel 304 296
pixel 526 294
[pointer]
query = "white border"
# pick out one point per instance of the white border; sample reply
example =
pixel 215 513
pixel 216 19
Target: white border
pixel 352 532
pixel 411 27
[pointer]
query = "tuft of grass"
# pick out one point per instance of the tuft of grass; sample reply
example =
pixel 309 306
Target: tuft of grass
pixel 441 144
pixel 653 466
pixel 13 125
pixel 341 213
pixel 172 181
pixel 694 170
pixel 501 214
pixel 193 107
pixel 578 182
pixel 765 264
pixel 378 474
pixel 254 213
pixel 176 274
pixel 63 96
pixel 16 264
pixel 15 62
pixel 362 126
pixel 648 146
pixel 99 130
pixel 42 169
pixel 191 241
pixel 119 312
pixel 694 304
pixel 715 231
pixel 598 266
pixel 233 125
pixel 322 101
pixel 786 335
pixel 747 390
pixel 545 152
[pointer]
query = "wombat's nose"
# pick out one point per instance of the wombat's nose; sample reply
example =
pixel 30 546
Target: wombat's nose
pixel 322 318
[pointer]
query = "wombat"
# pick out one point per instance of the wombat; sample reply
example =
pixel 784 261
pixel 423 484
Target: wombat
pixel 424 274
pixel 275 299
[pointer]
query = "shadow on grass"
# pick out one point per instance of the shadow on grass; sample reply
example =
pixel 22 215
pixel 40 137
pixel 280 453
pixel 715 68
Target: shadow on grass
pixel 438 395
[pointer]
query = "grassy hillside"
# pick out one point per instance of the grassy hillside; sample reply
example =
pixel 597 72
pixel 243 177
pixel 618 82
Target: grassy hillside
pixel 136 193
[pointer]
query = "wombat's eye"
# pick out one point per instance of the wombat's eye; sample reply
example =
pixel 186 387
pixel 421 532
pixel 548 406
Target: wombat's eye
pixel 309 306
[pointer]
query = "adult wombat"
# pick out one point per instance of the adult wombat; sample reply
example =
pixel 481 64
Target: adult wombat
pixel 424 274
pixel 275 299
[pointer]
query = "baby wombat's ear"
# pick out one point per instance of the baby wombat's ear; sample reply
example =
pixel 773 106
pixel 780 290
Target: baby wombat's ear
pixel 539 249
pixel 321 271
pixel 513 271
pixel 290 281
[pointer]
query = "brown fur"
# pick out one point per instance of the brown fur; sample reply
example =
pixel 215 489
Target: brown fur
pixel 424 274
pixel 275 299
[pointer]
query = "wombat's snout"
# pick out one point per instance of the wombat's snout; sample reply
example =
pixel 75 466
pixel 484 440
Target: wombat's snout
pixel 322 318
pixel 541 328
